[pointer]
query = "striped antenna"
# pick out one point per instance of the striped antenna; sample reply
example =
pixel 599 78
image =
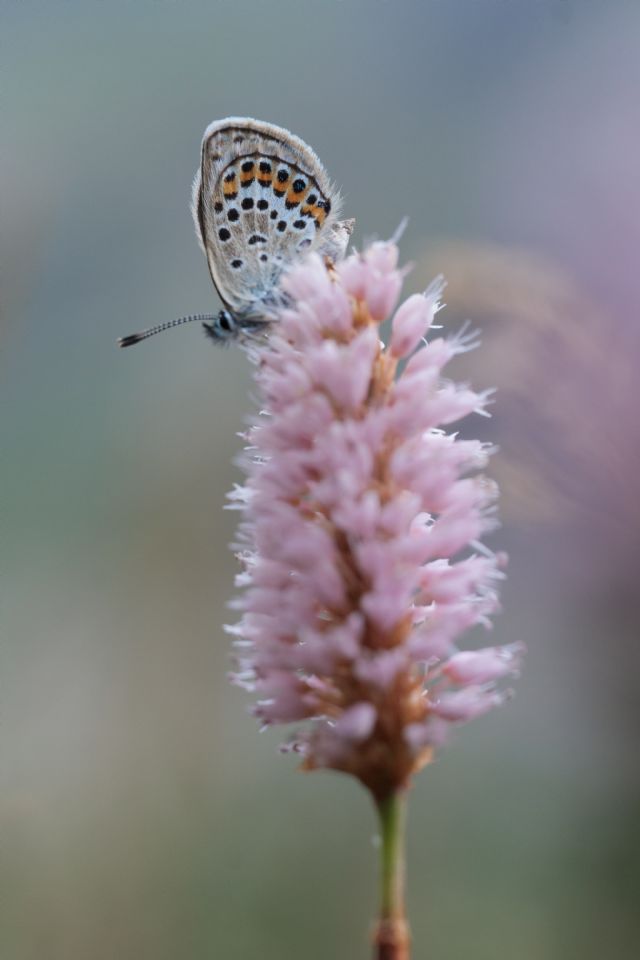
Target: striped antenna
pixel 144 334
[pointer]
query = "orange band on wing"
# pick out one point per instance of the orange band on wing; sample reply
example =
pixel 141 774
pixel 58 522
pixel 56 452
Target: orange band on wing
pixel 293 198
pixel 318 213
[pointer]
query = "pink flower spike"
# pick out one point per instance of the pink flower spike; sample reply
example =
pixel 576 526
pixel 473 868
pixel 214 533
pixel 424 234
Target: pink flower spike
pixel 361 526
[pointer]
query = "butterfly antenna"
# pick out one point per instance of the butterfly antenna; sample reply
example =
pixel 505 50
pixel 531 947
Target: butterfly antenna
pixel 145 334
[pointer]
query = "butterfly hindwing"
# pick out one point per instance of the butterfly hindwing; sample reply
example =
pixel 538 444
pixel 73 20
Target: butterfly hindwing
pixel 260 199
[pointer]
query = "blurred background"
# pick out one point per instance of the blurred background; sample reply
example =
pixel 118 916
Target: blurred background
pixel 142 814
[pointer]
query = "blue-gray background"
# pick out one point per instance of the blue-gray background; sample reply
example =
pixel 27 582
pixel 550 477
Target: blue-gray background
pixel 142 814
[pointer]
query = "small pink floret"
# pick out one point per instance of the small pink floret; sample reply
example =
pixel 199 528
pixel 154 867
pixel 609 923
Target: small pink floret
pixel 464 705
pixel 356 722
pixel 411 323
pixel 483 666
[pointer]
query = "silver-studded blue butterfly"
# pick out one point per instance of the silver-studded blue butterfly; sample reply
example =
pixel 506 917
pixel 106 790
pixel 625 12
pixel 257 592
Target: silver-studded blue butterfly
pixel 261 199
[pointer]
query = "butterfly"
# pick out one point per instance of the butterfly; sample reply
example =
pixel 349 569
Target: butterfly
pixel 261 199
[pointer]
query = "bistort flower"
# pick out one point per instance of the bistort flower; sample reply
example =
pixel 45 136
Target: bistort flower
pixel 362 520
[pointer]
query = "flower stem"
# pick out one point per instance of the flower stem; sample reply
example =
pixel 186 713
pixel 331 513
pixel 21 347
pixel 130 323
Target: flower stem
pixel 391 937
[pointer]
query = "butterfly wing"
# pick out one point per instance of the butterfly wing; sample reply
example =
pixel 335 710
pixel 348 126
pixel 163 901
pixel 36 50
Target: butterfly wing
pixel 260 199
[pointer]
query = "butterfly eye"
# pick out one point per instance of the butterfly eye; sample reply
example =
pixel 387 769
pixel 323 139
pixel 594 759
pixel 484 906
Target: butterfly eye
pixel 225 321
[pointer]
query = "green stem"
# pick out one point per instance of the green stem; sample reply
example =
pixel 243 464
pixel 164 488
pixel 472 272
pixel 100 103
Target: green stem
pixel 391 941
